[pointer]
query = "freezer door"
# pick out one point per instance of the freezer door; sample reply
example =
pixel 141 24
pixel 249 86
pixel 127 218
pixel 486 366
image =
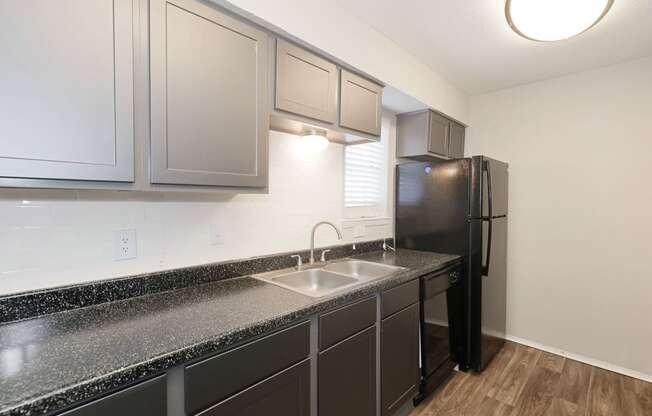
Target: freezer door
pixel 432 201
pixel 489 184
pixel 494 188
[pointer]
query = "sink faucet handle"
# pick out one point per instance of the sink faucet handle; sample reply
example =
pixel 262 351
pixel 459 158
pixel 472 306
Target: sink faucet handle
pixel 323 254
pixel 387 247
pixel 299 261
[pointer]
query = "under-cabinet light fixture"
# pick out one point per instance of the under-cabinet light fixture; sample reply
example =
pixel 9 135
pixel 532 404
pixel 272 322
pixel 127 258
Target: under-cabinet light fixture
pixel 314 142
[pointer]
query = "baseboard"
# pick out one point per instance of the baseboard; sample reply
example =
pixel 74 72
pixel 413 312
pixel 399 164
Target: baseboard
pixel 586 360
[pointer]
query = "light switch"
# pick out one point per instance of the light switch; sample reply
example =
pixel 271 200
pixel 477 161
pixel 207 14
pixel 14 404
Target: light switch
pixel 215 236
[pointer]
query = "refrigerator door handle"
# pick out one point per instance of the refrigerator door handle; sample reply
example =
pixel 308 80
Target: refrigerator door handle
pixel 487 169
pixel 485 267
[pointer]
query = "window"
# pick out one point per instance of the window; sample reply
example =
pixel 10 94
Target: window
pixel 365 179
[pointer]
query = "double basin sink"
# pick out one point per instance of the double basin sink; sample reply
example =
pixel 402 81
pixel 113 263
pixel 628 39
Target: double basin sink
pixel 321 280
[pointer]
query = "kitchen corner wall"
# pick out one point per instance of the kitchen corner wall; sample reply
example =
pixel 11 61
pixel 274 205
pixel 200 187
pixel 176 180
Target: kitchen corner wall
pixel 579 149
pixel 57 237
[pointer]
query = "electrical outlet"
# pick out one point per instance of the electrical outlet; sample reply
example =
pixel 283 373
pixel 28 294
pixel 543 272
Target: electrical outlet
pixel 124 244
pixel 215 236
pixel 359 231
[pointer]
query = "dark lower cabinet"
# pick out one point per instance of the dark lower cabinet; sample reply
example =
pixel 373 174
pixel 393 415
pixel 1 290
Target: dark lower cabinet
pixel 346 321
pixel 216 378
pixel 271 376
pixel 284 394
pixel 347 376
pixel 398 298
pixel 399 358
pixel 145 399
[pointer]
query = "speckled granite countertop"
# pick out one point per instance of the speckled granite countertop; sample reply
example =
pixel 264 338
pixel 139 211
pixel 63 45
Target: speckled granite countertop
pixel 51 362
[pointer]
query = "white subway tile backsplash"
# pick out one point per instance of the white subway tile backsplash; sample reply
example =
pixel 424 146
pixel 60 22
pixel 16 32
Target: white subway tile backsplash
pixel 64 237
pixel 84 214
pixel 17 214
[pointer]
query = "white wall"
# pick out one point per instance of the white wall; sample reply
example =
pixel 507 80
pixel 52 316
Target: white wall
pixel 326 25
pixel 51 238
pixel 580 248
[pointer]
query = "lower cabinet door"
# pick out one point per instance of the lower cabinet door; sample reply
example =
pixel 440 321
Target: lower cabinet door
pixel 399 358
pixel 347 376
pixel 284 394
pixel 145 399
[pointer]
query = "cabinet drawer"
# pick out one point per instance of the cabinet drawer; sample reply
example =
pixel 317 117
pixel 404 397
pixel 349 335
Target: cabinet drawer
pixel 286 394
pixel 145 399
pixel 393 300
pixel 216 378
pixel 344 322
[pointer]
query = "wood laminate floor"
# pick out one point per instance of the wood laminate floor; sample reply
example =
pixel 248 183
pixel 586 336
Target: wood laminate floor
pixel 523 381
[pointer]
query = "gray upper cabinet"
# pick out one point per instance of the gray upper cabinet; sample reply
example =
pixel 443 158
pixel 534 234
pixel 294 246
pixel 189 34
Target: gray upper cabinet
pixel 439 133
pixel 66 82
pixel 456 141
pixel 305 83
pixel 360 103
pixel 425 134
pixel 313 94
pixel 209 97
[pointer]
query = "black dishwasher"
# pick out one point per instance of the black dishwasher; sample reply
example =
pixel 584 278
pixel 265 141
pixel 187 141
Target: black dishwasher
pixel 440 299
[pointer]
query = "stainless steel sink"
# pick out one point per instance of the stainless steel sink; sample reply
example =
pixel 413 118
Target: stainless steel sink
pixel 313 282
pixel 321 280
pixel 364 270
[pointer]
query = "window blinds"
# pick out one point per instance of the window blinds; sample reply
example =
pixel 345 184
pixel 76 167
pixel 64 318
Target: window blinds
pixel 363 175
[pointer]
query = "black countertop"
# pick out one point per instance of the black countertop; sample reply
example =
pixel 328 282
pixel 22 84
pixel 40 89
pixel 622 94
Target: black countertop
pixel 51 362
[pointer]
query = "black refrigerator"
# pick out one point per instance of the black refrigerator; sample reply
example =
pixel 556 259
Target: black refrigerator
pixel 460 207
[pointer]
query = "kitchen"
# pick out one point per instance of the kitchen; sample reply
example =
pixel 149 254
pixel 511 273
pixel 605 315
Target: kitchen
pixel 247 207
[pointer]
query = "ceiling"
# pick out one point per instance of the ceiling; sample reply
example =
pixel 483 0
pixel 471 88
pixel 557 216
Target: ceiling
pixel 469 42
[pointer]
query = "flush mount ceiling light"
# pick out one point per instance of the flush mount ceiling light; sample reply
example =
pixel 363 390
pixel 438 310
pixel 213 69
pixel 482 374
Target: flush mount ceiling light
pixel 550 20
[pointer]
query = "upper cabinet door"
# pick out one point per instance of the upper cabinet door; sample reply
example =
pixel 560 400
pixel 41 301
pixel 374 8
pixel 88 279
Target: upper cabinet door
pixel 66 90
pixel 439 133
pixel 209 97
pixel 456 143
pixel 305 83
pixel 360 103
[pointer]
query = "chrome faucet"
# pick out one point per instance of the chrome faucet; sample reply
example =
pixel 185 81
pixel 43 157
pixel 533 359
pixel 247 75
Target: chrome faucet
pixel 312 238
pixel 387 247
pixel 299 262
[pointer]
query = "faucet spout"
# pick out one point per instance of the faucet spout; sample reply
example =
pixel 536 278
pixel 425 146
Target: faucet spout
pixel 312 237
